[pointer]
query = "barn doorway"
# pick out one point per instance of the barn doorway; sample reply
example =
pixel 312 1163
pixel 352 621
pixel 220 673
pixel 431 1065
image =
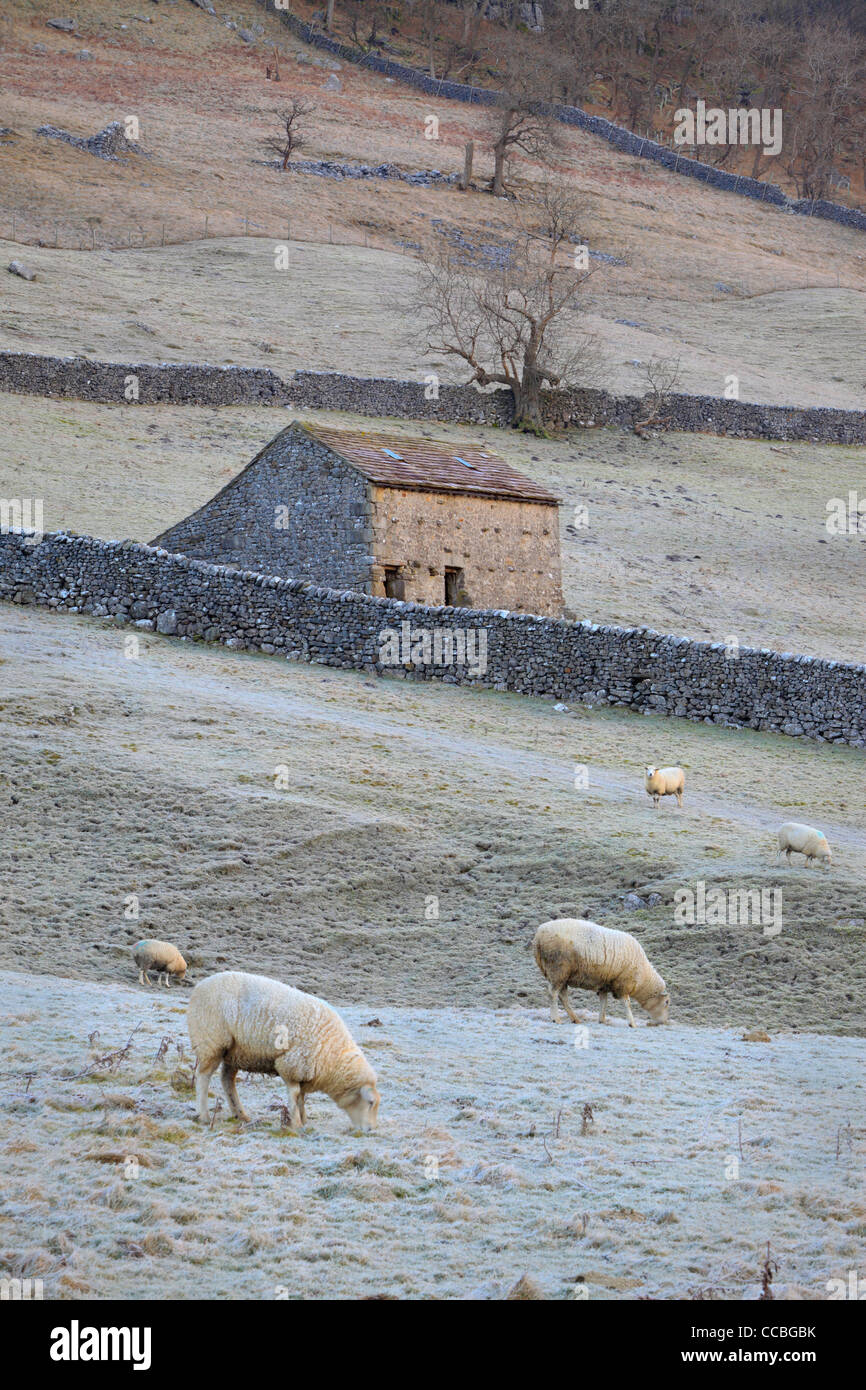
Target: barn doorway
pixel 394 586
pixel 453 587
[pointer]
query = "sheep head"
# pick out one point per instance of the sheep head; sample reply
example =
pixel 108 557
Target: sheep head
pixel 362 1107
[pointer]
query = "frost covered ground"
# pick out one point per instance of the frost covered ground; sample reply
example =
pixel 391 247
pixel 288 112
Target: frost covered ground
pixel 701 1148
pixel 151 781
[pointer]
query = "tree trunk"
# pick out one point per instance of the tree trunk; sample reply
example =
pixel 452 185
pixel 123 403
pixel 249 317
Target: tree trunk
pixel 329 16
pixel 468 152
pixel 528 413
pixel 499 152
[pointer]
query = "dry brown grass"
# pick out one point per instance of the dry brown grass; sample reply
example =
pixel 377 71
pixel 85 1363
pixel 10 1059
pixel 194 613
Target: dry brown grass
pixel 790 327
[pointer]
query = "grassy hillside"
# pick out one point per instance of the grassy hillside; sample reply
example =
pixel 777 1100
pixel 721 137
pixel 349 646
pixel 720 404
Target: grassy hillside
pixel 730 286
pixel 155 777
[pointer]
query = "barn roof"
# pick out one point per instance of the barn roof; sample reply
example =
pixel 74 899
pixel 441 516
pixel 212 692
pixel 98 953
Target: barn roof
pixel 430 466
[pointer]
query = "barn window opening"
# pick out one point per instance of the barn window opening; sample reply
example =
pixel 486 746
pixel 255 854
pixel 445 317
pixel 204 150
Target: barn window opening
pixel 453 587
pixel 393 583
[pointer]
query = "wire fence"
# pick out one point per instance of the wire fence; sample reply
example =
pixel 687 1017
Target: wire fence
pixel 25 227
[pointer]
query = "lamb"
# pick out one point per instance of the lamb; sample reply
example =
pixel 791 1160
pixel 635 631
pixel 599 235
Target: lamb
pixel 160 956
pixel 665 781
pixel 252 1023
pixel 573 951
pixel 802 839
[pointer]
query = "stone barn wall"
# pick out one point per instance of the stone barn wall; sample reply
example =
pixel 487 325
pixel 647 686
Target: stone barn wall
pixel 297 510
pixel 508 550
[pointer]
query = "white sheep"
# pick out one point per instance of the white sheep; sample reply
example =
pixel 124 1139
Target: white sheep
pixel 252 1023
pixel 160 956
pixel 803 839
pixel 573 951
pixel 665 781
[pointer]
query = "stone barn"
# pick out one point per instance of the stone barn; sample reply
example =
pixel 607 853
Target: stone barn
pixel 408 518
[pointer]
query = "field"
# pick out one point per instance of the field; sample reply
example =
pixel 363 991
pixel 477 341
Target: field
pixel 701 1148
pixel 155 777
pixel 726 285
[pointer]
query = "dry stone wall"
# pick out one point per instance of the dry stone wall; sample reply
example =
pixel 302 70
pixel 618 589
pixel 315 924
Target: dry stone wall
pixel 170 383
pixel 637 668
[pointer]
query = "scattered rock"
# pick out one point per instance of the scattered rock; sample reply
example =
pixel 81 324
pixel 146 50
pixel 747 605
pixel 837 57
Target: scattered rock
pixel 328 169
pixel 246 35
pixel 108 143
pixel 66 26
pixel 16 268
pixel 333 83
pixel 757 1035
pixel 166 622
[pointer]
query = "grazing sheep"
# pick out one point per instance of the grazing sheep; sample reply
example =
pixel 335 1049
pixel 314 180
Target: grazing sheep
pixel 251 1023
pixel 802 839
pixel 665 781
pixel 573 951
pixel 165 959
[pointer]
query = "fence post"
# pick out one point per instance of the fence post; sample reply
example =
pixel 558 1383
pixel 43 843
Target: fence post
pixel 468 152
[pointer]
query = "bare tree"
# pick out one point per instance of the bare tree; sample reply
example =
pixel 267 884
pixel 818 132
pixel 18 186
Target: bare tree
pixel 290 138
pixel 503 317
pixel 662 376
pixel 525 121
pixel 826 99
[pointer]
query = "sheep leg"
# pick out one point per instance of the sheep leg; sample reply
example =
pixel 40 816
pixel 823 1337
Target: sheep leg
pixel 679 798
pixel 554 1000
pixel 627 1001
pixel 142 978
pixel 602 1016
pixel 294 1089
pixel 228 1076
pixel 655 802
pixel 788 856
pixel 202 1083
pixel 301 1109
pixel 563 999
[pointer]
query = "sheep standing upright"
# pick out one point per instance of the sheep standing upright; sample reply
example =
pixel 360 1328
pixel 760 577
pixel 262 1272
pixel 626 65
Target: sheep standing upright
pixel 805 840
pixel 252 1023
pixel 160 956
pixel 665 781
pixel 573 951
